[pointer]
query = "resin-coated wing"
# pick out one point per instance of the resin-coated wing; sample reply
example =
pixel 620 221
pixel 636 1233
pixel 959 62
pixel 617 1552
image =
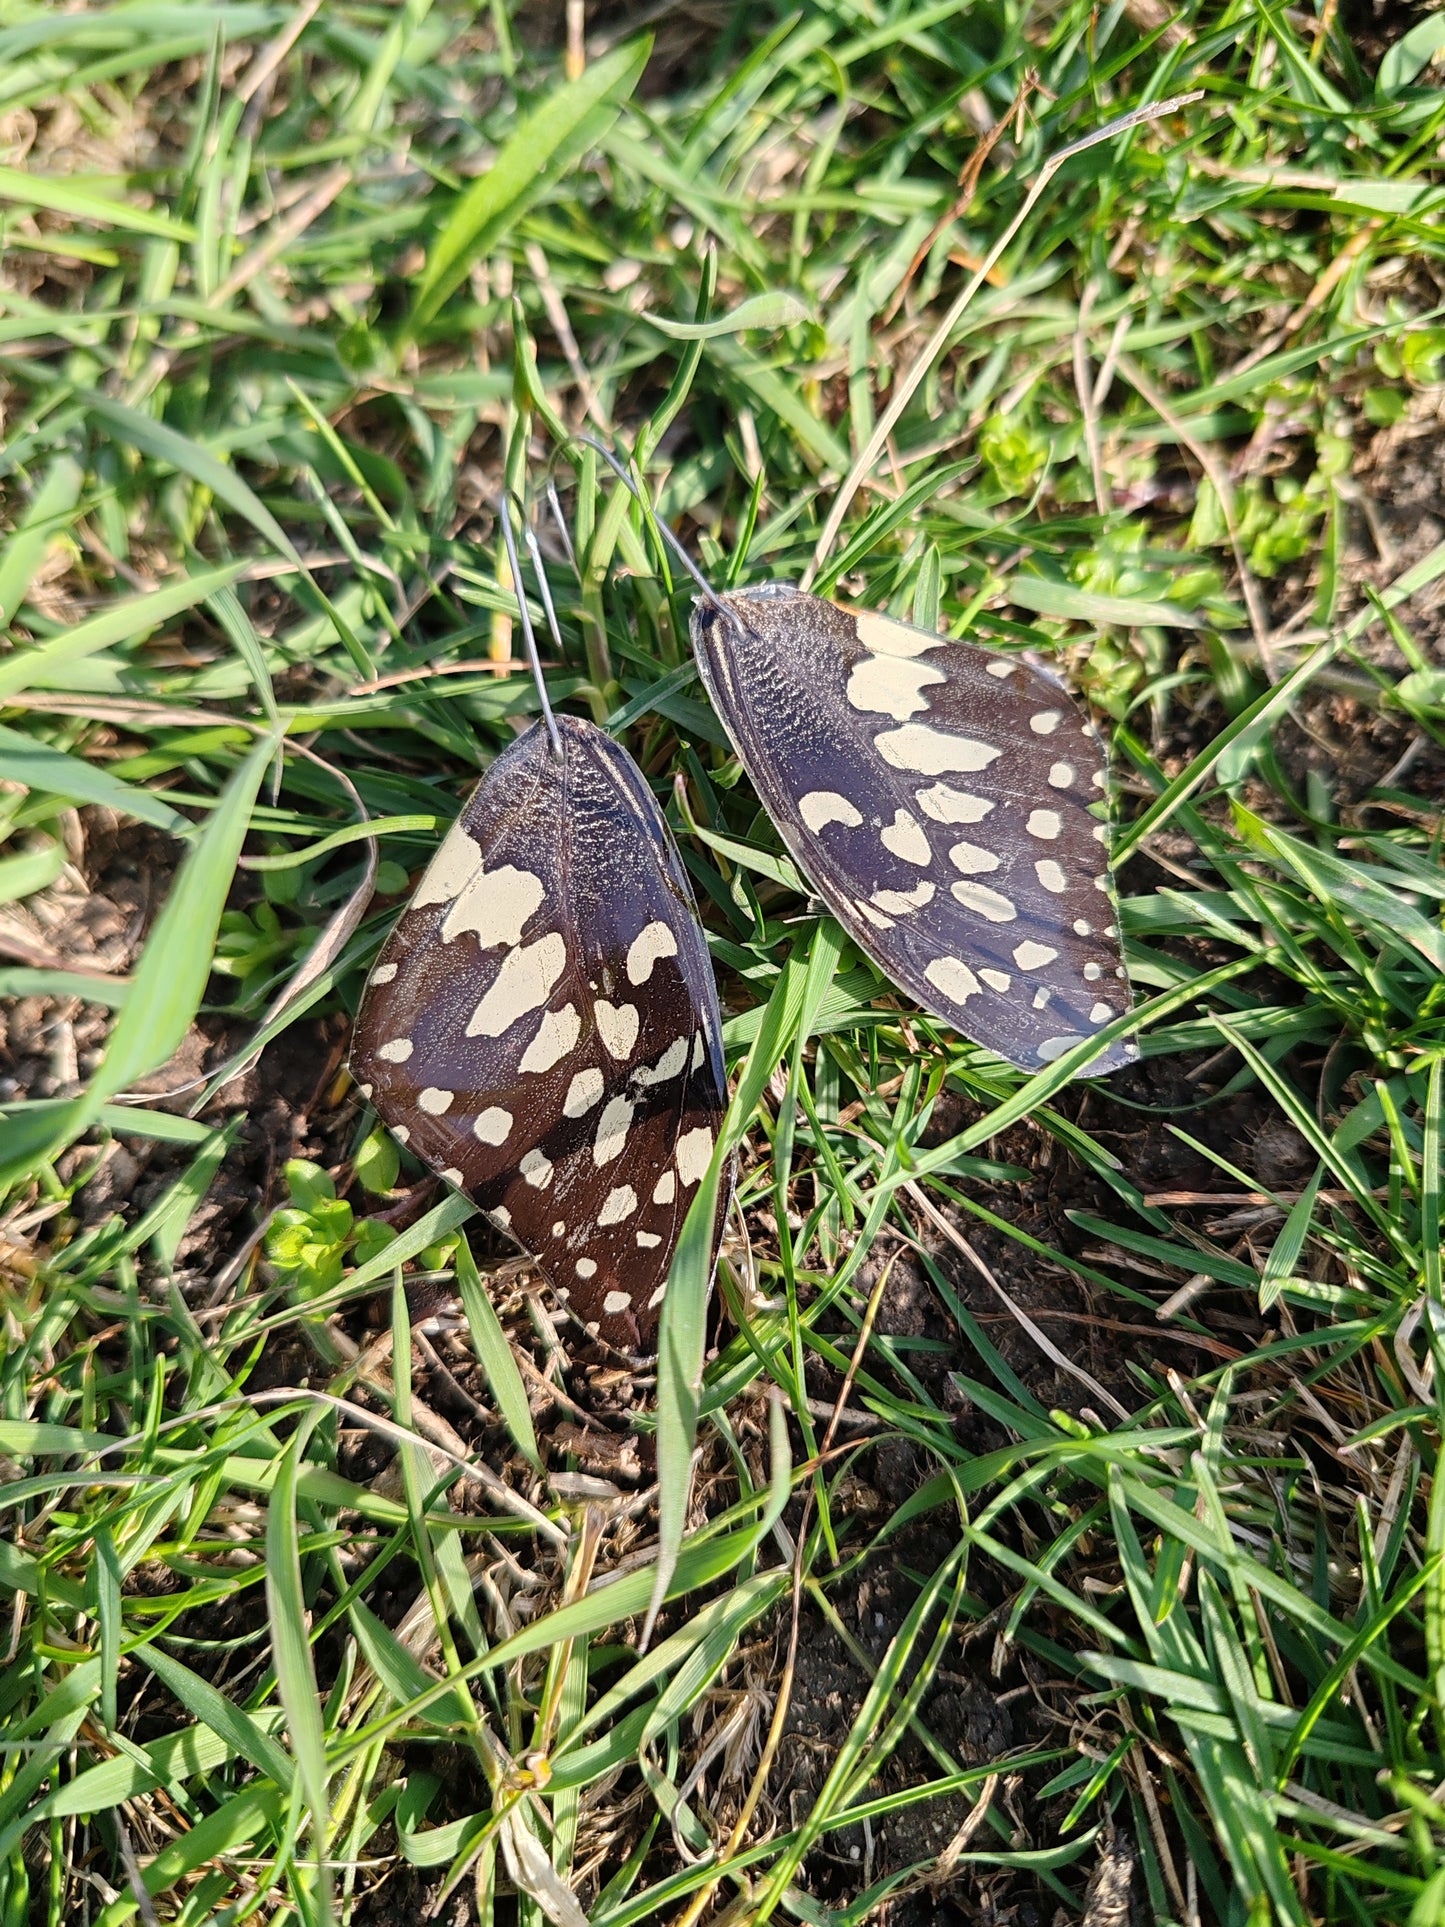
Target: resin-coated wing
pixel 542 1026
pixel 938 795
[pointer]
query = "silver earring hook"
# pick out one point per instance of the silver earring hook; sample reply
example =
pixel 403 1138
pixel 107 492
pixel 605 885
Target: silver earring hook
pixel 709 593
pixel 504 511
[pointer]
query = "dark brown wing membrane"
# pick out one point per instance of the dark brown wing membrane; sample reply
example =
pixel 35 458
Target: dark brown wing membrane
pixel 542 1026
pixel 938 795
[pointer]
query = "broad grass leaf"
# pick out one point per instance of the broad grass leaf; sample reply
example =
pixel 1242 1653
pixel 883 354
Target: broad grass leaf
pixel 573 118
pixel 71 778
pixel 291 1653
pixel 776 309
pixel 61 194
pixel 124 621
pixel 21 876
pixel 49 513
pixel 165 444
pixel 231 1723
pixel 494 1355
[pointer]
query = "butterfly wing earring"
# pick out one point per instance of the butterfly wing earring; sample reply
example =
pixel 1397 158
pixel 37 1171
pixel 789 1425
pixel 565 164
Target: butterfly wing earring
pixel 542 1026
pixel 939 797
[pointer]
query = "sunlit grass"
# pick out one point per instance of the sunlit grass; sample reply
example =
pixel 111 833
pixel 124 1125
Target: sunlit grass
pixel 291 295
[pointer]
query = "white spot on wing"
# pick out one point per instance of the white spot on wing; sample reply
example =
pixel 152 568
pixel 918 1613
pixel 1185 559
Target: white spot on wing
pixel 1093 972
pixel 1100 1014
pixel 401 1133
pixel 1033 956
pixel 493 1126
pixel 948 805
pixel 556 1035
pixel 1061 775
pixel 1000 667
pixel 582 1093
pixel 1083 929
pixel 649 1241
pixel 365 1089
pixel 985 902
pixel 435 1102
pixel 499 1214
pixel 586 1267
pixel 875 917
pixel 998 980
pixel 932 752
pixel 1044 824
pixel 621 1203
pixel 525 980
pixel 972 859
pixel 1053 1047
pixel 665 1190
pixel 819 808
pixel 495 904
pixel 900 902
pixel 904 838
pixel 885 637
pixel 612 1129
pixel 617 1301
pixel 536 1168
pixel 694 1154
pixel 450 870
pixel 1046 721
pixel 616 1026
pixel 953 978
pixel 383 973
pixel 668 1066
pixel 396 1051
pixel 891 685
pixel 654 941
pixel 1051 876
pixel 454 1176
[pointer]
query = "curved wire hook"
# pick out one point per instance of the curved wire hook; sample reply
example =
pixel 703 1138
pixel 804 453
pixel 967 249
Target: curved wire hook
pixel 660 527
pixel 504 512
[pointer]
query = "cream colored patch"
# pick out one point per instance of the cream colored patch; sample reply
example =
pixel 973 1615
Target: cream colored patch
pixel 972 859
pixel 819 808
pixel 617 1301
pixel 985 902
pixel 383 973
pixel 450 870
pixel 1045 825
pixel 649 1241
pixel 654 941
pixel 665 1190
pixel 586 1267
pixel 559 1230
pixel 998 980
pixel 556 1035
pixel 454 1176
pixel 1000 668
pixel 901 902
pixel 1046 721
pixel 396 1051
pixel 954 978
pixel 1051 876
pixel 699 1050
pixel 435 1102
pixel 891 685
pixel 1053 1047
pixel 401 1133
pixel 904 838
pixel 1099 780
pixel 1033 956
pixel 875 917
pixel 525 980
pixel 1083 929
pixel 612 1128
pixel 1061 775
pixel 694 1154
pixel 932 752
pixel 621 1203
pixel 499 1214
pixel 1100 1014
pixel 617 1027
pixel 1101 884
pixel 948 805
pixel 493 1126
pixel 536 1168
pixel 1041 998
pixel 365 1089
pixel 582 1093
pixel 885 637
pixel 1093 972
pixel 1101 833
pixel 668 1066
pixel 495 905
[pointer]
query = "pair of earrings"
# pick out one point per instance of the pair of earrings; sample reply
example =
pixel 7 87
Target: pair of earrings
pixel 542 1025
